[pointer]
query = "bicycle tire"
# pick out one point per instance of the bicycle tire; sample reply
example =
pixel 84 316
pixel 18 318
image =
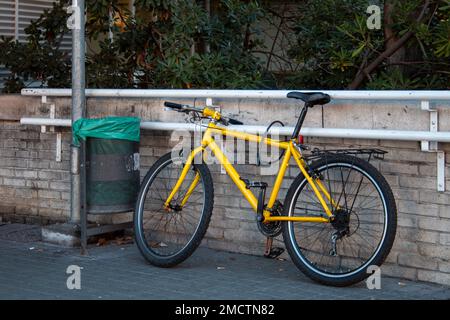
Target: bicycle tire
pixel 149 252
pixel 298 254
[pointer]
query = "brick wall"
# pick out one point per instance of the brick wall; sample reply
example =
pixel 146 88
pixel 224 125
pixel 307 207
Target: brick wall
pixel 34 187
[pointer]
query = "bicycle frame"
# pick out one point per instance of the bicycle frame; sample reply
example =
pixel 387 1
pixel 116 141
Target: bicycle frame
pixel 291 151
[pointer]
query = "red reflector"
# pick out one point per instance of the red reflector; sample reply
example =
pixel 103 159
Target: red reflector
pixel 301 139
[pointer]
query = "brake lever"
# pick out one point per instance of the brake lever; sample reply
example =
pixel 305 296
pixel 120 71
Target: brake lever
pixel 227 121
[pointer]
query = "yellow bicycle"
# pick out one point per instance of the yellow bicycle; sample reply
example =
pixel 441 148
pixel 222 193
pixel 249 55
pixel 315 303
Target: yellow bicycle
pixel 338 218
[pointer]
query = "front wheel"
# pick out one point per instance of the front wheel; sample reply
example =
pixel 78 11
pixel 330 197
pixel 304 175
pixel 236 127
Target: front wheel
pixel 168 235
pixel 340 252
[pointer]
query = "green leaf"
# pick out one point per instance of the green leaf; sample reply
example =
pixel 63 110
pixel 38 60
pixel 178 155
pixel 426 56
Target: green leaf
pixel 358 50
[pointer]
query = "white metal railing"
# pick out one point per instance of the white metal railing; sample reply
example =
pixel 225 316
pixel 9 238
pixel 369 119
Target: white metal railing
pixel 400 135
pixel 428 139
pixel 245 94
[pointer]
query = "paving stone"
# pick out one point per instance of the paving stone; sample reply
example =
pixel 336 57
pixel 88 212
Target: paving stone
pixel 20 232
pixel 119 272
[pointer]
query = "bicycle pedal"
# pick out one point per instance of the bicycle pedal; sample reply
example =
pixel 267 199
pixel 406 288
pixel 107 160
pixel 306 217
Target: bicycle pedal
pixel 274 253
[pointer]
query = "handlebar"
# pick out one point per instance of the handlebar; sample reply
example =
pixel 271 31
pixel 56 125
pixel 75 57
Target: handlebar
pixel 234 121
pixel 182 107
pixel 173 105
pixel 206 112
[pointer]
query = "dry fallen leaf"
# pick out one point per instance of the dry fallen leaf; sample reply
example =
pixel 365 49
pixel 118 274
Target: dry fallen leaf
pixel 101 242
pixel 153 244
pixel 124 240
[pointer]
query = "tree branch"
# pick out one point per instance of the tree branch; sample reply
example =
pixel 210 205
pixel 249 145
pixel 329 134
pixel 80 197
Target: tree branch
pixel 360 76
pixel 270 53
pixel 272 49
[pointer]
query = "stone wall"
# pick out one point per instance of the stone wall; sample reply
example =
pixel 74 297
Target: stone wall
pixel 34 187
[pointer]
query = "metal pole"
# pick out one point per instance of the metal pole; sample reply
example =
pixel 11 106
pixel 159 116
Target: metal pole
pixel 16 20
pixel 78 104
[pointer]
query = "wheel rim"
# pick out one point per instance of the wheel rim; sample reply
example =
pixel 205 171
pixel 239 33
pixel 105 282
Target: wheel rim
pixel 167 233
pixel 356 251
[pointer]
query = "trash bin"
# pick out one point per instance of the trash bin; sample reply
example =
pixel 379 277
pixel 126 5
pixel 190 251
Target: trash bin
pixel 112 162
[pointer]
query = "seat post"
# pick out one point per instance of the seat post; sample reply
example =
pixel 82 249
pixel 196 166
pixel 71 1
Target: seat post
pixel 300 121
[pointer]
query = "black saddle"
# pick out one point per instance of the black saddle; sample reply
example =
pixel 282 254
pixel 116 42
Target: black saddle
pixel 311 98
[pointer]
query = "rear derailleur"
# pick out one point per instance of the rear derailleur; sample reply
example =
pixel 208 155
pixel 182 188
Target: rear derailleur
pixel 341 224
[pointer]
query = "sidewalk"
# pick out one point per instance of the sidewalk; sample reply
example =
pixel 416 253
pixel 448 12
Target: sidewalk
pixel 30 269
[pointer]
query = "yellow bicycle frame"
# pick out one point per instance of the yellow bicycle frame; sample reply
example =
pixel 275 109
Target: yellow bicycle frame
pixel 291 151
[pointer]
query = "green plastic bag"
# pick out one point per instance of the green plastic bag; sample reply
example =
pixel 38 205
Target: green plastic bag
pixel 126 128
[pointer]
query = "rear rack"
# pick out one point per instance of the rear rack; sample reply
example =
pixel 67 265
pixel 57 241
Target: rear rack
pixel 320 153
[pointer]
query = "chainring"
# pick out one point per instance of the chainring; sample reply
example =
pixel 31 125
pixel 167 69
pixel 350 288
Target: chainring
pixel 272 229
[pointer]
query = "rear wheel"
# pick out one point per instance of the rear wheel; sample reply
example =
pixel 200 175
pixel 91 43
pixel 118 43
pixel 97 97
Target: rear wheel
pixel 362 232
pixel 168 236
